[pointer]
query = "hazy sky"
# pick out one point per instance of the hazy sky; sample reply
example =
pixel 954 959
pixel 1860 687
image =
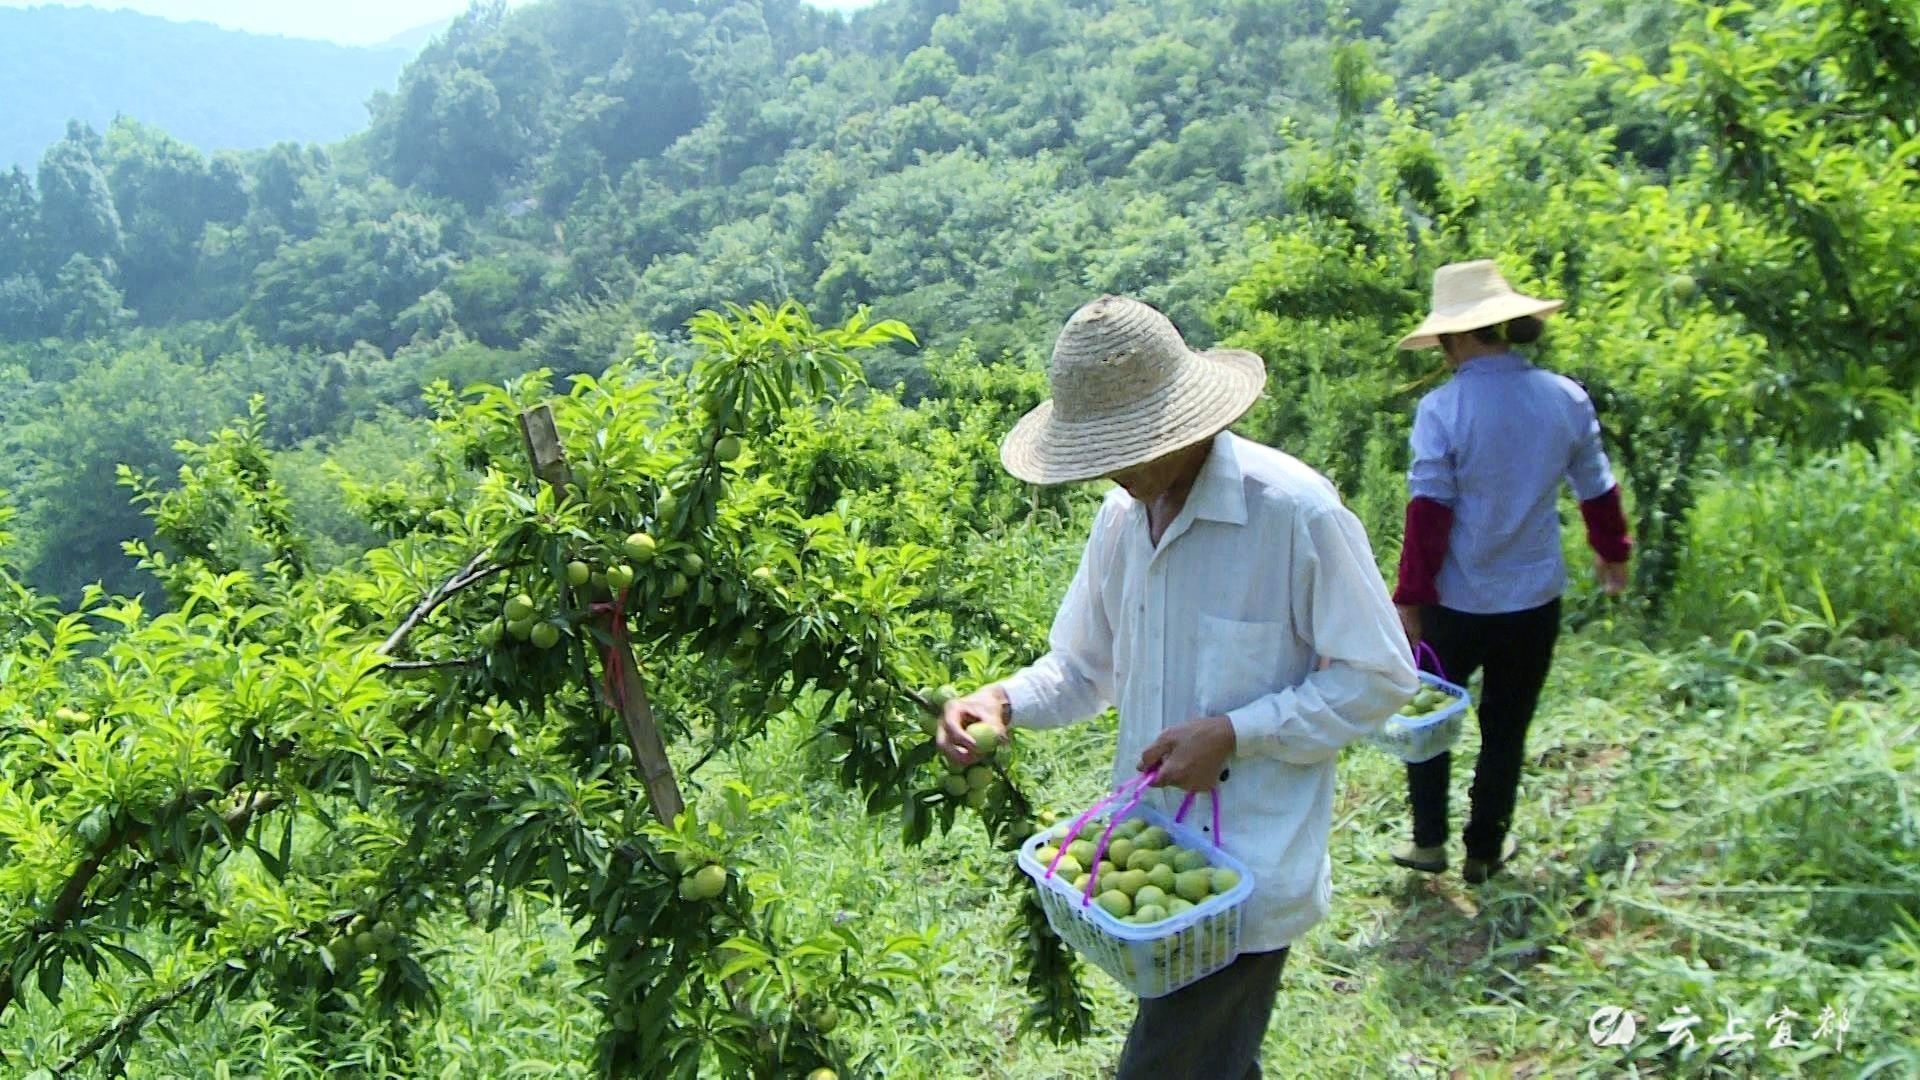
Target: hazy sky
pixel 353 22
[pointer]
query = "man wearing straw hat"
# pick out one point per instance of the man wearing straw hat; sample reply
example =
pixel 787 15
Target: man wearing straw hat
pixel 1230 607
pixel 1481 571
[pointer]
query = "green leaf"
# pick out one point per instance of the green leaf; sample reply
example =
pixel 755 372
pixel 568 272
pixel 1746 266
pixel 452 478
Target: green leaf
pixel 362 782
pixel 51 974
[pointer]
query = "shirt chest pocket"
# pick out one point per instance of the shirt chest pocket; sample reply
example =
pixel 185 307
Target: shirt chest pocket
pixel 1236 662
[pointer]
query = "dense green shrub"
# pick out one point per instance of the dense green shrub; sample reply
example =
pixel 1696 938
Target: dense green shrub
pixel 1838 538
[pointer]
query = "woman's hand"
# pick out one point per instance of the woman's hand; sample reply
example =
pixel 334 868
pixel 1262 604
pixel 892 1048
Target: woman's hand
pixel 1192 755
pixel 986 705
pixel 1409 623
pixel 1612 575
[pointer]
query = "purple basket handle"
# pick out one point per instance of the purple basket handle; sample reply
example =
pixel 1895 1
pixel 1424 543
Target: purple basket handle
pixel 1138 785
pixel 1427 650
pixel 1132 791
pixel 1213 799
pixel 1131 787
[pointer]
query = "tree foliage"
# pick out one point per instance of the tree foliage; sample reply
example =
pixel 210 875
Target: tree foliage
pixel 285 772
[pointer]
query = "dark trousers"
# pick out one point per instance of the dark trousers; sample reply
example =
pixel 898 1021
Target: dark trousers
pixel 1512 651
pixel 1210 1030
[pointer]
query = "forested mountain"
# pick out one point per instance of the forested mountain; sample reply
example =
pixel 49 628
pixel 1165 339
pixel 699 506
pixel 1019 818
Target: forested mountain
pixel 212 88
pixel 543 182
pixel 979 170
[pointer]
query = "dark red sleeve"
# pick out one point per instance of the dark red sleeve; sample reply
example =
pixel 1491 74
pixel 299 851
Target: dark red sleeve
pixel 1429 524
pixel 1607 526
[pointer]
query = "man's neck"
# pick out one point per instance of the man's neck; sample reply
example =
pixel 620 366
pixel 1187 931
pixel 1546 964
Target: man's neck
pixel 1164 507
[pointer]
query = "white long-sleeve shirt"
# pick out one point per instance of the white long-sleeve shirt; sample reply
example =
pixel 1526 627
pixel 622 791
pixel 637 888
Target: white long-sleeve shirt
pixel 1262 574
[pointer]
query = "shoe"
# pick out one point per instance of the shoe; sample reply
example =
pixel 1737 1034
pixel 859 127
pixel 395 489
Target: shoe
pixel 1431 860
pixel 1476 871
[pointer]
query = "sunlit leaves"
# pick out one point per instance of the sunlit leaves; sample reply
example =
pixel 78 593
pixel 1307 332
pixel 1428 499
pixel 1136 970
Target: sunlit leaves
pixel 760 361
pixel 1803 117
pixel 265 764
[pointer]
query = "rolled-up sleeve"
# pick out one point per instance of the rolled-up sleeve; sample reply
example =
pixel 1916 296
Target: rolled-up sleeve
pixel 1340 603
pixel 1074 680
pixel 1431 475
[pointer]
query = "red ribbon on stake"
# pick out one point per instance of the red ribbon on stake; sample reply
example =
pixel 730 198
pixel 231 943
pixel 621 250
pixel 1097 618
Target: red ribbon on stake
pixel 612 658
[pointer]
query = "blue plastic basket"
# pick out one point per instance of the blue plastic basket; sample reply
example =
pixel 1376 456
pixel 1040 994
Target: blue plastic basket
pixel 1154 960
pixel 1414 739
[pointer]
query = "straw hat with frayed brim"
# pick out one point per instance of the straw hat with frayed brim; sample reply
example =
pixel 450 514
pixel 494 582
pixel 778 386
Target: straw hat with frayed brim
pixel 1126 390
pixel 1470 296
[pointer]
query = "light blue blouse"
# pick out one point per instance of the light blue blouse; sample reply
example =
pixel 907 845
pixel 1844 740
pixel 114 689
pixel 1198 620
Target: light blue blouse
pixel 1494 443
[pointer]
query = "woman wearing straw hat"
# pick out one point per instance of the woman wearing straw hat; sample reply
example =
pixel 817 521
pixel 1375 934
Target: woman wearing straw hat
pixel 1230 606
pixel 1481 571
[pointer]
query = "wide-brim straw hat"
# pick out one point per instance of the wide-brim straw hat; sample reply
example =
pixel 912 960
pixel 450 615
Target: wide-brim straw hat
pixel 1127 389
pixel 1469 296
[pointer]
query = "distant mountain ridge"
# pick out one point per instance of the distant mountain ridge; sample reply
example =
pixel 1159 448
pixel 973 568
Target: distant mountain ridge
pixel 217 89
pixel 417 38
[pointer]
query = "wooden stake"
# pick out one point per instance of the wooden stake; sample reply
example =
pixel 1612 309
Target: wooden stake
pixel 549 460
pixel 549 457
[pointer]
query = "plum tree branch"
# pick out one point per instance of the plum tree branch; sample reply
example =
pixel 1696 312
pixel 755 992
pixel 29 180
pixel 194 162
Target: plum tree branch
pixel 71 899
pixel 474 572
pixel 239 961
pixel 119 1029
pixel 429 665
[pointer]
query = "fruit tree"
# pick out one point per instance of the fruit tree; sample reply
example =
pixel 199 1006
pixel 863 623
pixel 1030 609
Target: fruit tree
pixel 266 788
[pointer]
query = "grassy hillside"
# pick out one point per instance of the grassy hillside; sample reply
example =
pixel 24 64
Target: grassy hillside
pixel 215 89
